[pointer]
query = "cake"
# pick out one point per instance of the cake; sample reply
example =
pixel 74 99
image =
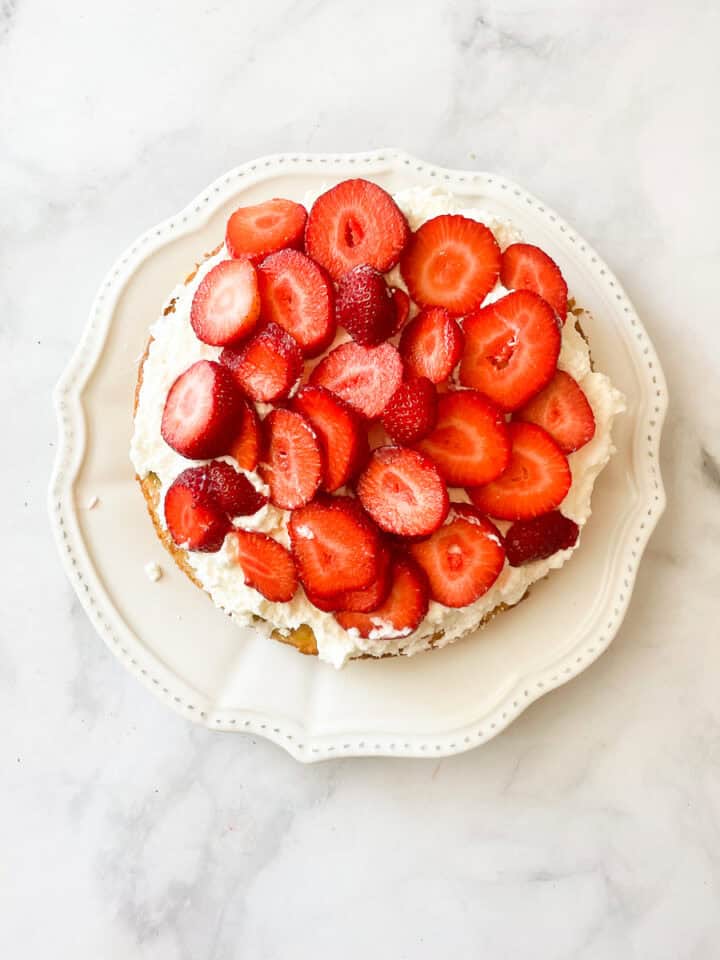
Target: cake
pixel 364 425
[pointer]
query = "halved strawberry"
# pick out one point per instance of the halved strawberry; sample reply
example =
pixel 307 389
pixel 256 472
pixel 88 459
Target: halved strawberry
pixel 536 481
pixel 193 518
pixel 412 411
pixel 267 565
pixel 365 306
pixel 403 609
pixel 341 435
pixel 267 365
pixel 226 305
pixel 540 537
pixel 470 443
pixel 432 344
pixel 335 545
pixel 403 492
pixel 355 222
pixel 358 601
pixel 511 349
pixel 563 410
pixel 292 464
pixel 245 447
pixel 364 377
pixel 232 491
pixel 261 229
pixel 526 267
pixel 462 559
pixel 201 411
pixel 401 303
pixel 298 295
pixel 452 262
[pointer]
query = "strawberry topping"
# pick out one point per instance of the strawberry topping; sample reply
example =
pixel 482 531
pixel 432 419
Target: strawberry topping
pixel 194 519
pixel 256 231
pixel 232 491
pixel 267 366
pixel 401 303
pixel 432 344
pixel 245 447
pixel 201 411
pixel 358 601
pixel 365 306
pixel 411 413
pixel 266 564
pixel 292 464
pixel 403 492
pixel 403 609
pixel 525 267
pixel 364 377
pixel 226 305
pixel 540 537
pixel 340 433
pixel 563 410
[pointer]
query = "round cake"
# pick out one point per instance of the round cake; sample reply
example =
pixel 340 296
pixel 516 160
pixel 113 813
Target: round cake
pixel 366 424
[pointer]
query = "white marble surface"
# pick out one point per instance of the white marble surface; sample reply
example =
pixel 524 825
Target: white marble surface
pixel 592 827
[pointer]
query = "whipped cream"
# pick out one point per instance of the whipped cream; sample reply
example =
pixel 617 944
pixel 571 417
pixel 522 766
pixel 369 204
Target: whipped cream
pixel 174 347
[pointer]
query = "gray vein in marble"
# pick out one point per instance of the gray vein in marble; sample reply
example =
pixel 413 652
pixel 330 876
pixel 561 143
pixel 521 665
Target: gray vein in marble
pixel 710 468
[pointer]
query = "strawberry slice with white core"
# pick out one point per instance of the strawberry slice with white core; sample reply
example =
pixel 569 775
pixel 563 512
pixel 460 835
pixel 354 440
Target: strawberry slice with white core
pixel 536 480
pixel 364 377
pixel 201 411
pixel 432 344
pixel 470 443
pixel 358 601
pixel 403 609
pixel 245 447
pixel 563 410
pixel 462 559
pixel 267 366
pixel 226 305
pixel 266 564
pixel 511 349
pixel 355 222
pixel 451 261
pixel 526 267
pixel 403 492
pixel 292 465
pixel 298 295
pixel 335 545
pixel 341 435
pixel 256 231
pixel 193 518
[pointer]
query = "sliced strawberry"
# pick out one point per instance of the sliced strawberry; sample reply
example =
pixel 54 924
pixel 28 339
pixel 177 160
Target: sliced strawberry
pixel 511 349
pixel 245 447
pixel 193 518
pixel 355 222
pixel 341 435
pixel 365 305
pixel 261 229
pixel 403 609
pixel 335 544
pixel 540 537
pixel 226 305
pixel 267 365
pixel 452 262
pixel 232 491
pixel 563 410
pixel 470 443
pixel 401 303
pixel 403 492
pixel 358 601
pixel 525 267
pixel 364 377
pixel 292 464
pixel 432 344
pixel 536 481
pixel 412 411
pixel 266 564
pixel 298 295
pixel 201 411
pixel 462 559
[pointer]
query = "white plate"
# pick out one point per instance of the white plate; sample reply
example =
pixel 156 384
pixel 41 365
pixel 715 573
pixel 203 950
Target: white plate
pixel 170 635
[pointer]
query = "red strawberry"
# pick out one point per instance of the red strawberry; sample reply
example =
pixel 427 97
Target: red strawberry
pixel 335 545
pixel 193 518
pixel 292 465
pixel 401 303
pixel 403 492
pixel 261 229
pixel 232 491
pixel 364 377
pixel 365 306
pixel 298 295
pixel 540 537
pixel 525 267
pixel 452 262
pixel 563 410
pixel 355 222
pixel 358 601
pixel 412 411
pixel 342 438
pixel 245 448
pixel 266 565
pixel 511 349
pixel 403 609
pixel 201 411
pixel 432 344
pixel 470 443
pixel 536 480
pixel 226 305
pixel 267 365
pixel 462 559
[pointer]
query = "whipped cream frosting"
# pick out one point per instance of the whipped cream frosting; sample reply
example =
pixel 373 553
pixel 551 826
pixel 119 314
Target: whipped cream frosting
pixel 174 347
